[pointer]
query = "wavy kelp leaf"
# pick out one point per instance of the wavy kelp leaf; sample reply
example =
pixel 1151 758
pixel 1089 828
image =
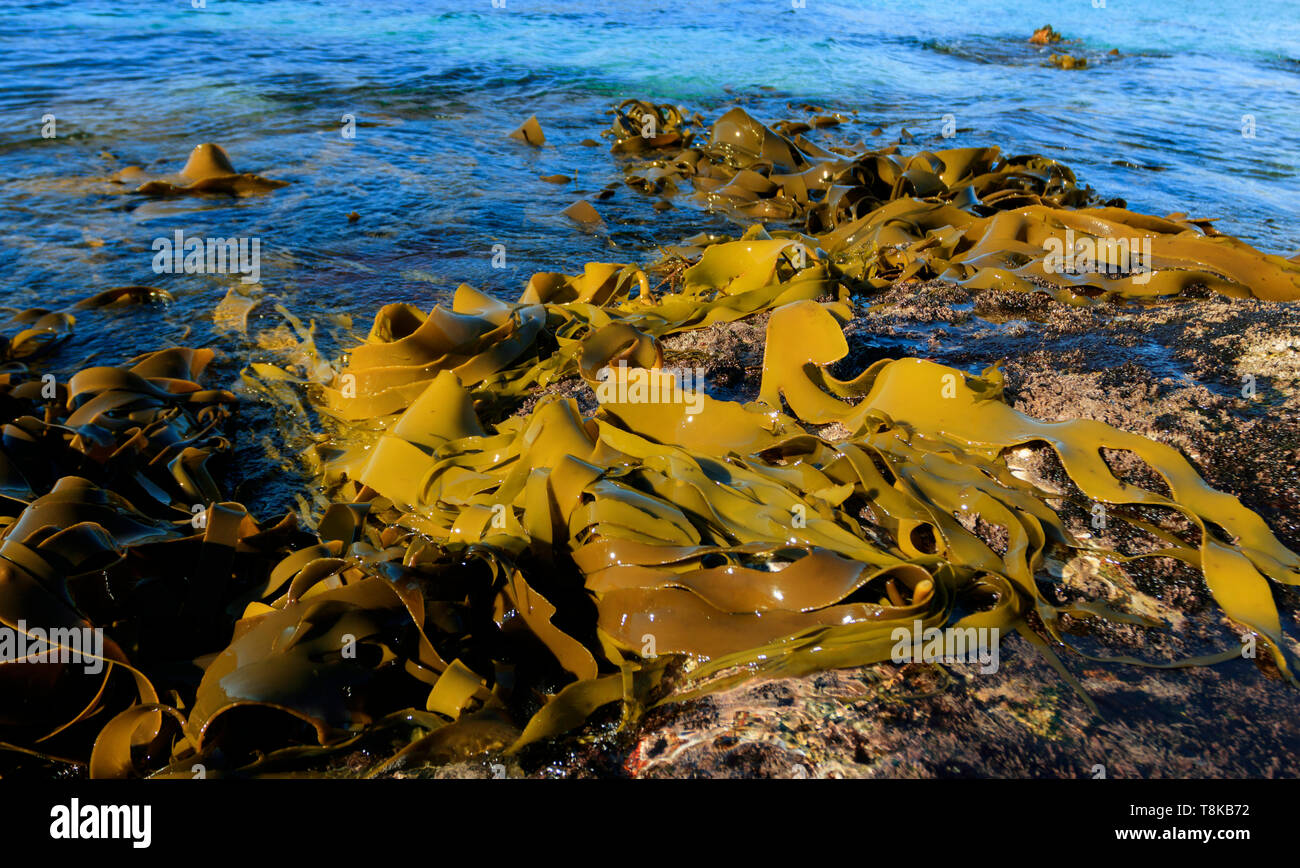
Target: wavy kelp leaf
pixel 752 170
pixel 101 530
pixel 39 332
pixel 113 757
pixel 642 126
pixel 795 596
pixel 317 657
pixel 530 133
pixel 478 337
pixel 584 214
pixel 49 694
pixel 570 708
pixel 648 498
pixel 208 170
pixel 486 731
pixel 124 295
pixel 505 349
pixel 911 239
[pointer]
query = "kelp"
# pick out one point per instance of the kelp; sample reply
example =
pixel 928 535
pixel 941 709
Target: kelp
pixel 753 171
pixel 506 349
pixel 1068 61
pixel 642 126
pixel 736 536
pixel 584 214
pixel 125 295
pixel 739 537
pixel 207 171
pixel 679 491
pixel 480 577
pixel 1045 35
pixel 966 214
pixel 1014 250
pixel 530 133
pixel 35 332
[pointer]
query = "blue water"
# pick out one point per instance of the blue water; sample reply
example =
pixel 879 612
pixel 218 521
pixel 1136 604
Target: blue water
pixel 435 87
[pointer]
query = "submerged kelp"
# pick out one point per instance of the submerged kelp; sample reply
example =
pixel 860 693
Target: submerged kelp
pixel 483 576
pixel 1068 61
pixel 207 171
pixel 38 332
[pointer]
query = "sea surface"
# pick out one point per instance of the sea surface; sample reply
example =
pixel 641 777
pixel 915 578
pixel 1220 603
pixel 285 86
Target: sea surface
pixel 434 87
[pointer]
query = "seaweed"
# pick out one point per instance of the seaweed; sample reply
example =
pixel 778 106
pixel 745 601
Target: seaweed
pixel 207 171
pixel 1045 35
pixel 966 214
pixel 480 577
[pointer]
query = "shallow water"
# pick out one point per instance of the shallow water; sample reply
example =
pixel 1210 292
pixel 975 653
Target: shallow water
pixel 435 86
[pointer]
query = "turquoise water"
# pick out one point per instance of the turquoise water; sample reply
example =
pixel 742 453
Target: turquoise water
pixel 435 87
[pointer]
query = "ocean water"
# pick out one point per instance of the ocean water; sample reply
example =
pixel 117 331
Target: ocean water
pixel 435 86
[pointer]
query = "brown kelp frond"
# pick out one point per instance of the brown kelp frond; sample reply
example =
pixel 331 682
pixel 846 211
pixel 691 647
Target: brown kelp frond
pixel 1045 35
pixel 644 126
pixel 1068 61
pixel 752 170
pixel 207 171
pixel 732 535
pixel 35 332
pixel 1080 254
pixel 530 133
pixel 125 295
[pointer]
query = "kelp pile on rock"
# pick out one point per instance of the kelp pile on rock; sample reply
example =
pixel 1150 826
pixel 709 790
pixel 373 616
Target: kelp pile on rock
pixel 481 577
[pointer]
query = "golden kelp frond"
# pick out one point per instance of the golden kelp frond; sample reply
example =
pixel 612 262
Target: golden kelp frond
pixel 124 295
pixel 36 332
pixel 530 133
pixel 501 578
pixel 1068 61
pixel 208 170
pixel 104 482
pixel 1237 551
pixel 111 520
pixel 478 337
